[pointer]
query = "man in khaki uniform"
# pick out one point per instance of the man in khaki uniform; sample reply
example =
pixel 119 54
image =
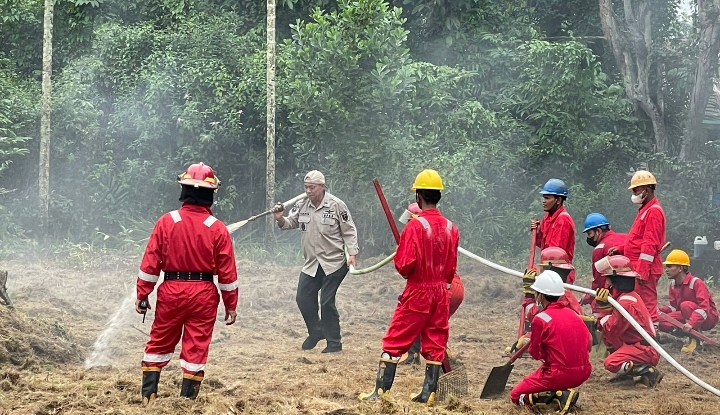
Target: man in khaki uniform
pixel 325 225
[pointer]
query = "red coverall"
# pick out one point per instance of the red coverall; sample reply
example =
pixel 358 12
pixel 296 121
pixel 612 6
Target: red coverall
pixel 690 302
pixel 558 230
pixel 642 247
pixel 608 240
pixel 562 342
pixel 186 240
pixel 427 258
pixel 621 336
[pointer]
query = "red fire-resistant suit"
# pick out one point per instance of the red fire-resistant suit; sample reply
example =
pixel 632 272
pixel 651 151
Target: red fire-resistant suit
pixel 427 258
pixel 562 342
pixel 558 230
pixel 567 300
pixel 620 335
pixel 608 240
pixel 642 247
pixel 186 240
pixel 690 302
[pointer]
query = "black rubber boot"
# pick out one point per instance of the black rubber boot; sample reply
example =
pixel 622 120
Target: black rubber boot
pixel 432 374
pixel 383 380
pixel 150 380
pixel 649 375
pixel 311 341
pixel 541 398
pixel 190 388
pixel 413 355
pixel 565 399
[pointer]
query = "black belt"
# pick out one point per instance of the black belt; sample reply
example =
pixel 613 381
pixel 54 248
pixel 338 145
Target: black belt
pixel 188 276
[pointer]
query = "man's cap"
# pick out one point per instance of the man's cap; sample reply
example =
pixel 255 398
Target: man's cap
pixel 314 177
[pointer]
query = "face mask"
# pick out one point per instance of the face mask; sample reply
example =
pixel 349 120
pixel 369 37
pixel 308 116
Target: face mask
pixel 591 241
pixel 638 199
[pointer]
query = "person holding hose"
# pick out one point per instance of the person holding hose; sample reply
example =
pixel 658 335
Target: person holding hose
pixel 645 239
pixel 690 300
pixel 562 342
pixel 601 238
pixel 326 226
pixel 190 246
pixel 427 258
pixel 631 355
pixel 456 291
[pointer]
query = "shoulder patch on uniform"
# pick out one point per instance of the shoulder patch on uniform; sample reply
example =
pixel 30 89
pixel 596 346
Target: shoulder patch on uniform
pixel 209 221
pixel 544 316
pixel 344 216
pixel 175 216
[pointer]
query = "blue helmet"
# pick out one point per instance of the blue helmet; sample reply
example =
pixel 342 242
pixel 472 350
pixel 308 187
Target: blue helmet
pixel 595 220
pixel 555 187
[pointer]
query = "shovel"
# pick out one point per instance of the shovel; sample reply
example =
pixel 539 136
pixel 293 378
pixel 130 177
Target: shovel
pixel 499 375
pixel 237 225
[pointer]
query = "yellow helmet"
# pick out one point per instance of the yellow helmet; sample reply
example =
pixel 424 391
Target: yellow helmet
pixel 642 178
pixel 428 180
pixel 677 257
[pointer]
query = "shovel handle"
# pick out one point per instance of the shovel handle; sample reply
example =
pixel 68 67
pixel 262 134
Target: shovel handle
pixel 519 353
pixel 386 209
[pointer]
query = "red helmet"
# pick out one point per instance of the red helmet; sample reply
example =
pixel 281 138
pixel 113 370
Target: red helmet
pixel 199 175
pixel 554 256
pixel 616 265
pixel 414 208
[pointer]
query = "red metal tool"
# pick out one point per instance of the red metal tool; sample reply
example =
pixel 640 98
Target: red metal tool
pixel 693 333
pixel 531 264
pixel 386 208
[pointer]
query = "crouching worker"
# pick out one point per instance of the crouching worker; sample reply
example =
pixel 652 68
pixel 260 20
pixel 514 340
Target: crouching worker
pixel 690 300
pixel 427 258
pixel 632 356
pixel 561 341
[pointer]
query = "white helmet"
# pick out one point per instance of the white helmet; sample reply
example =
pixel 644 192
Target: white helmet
pixel 549 283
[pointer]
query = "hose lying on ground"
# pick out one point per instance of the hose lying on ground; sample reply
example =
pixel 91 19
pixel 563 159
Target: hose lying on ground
pixel 619 308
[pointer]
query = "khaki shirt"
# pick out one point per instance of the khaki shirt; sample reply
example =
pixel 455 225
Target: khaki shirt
pixel 324 229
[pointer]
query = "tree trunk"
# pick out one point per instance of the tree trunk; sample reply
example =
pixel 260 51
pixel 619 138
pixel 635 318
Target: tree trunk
pixel 630 39
pixel 707 63
pixel 44 168
pixel 270 184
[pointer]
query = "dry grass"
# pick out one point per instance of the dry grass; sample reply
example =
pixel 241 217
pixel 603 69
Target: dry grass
pixel 257 367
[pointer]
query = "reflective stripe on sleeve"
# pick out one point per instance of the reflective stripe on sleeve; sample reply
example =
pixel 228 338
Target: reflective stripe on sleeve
pixel 628 297
pixel 228 287
pixel 702 313
pixel 692 283
pixel 544 316
pixel 672 309
pixel 209 221
pixel 191 367
pixel 157 358
pixel 604 320
pixel 148 277
pixel 175 216
pixel 646 257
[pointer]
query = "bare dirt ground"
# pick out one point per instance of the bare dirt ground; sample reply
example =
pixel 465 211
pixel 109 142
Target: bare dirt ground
pixel 257 366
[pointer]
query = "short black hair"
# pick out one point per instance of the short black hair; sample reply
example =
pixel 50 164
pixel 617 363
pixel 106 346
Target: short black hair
pixel 551 298
pixel 430 196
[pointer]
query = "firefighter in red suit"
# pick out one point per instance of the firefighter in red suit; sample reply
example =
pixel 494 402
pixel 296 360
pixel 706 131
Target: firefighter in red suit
pixel 631 355
pixel 562 342
pixel 456 291
pixel 190 246
pixel 554 259
pixel 690 300
pixel 427 258
pixel 645 239
pixel 601 238
pixel 557 227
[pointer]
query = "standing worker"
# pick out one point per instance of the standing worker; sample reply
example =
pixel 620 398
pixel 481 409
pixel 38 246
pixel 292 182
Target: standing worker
pixel 557 227
pixel 645 239
pixel 190 246
pixel 427 258
pixel 326 226
pixel 601 238
pixel 690 300
pixel 562 342
pixel 631 354
pixel 456 292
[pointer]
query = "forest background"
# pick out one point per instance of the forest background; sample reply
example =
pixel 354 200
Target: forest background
pixel 497 96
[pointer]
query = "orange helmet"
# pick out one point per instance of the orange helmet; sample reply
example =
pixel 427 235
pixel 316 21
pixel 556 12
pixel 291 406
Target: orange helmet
pixel 199 175
pixel 616 265
pixel 554 256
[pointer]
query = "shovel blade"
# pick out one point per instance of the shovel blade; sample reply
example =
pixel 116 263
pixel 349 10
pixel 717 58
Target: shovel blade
pixel 495 383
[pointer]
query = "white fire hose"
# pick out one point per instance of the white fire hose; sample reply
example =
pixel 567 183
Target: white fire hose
pixel 618 307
